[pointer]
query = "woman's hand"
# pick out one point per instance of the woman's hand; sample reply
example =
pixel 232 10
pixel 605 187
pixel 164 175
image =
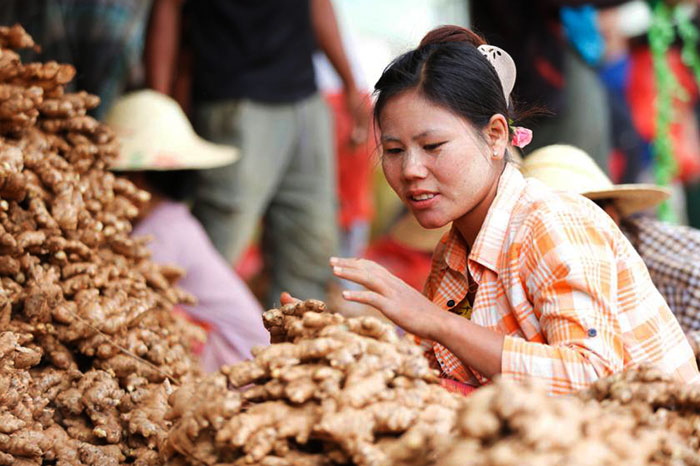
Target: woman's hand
pixel 475 346
pixel 393 297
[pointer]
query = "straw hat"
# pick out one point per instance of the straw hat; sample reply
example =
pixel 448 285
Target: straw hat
pixel 408 232
pixel 155 134
pixel 568 168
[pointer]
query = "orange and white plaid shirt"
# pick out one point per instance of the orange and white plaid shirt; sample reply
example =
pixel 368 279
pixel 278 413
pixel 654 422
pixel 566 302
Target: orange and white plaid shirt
pixel 557 277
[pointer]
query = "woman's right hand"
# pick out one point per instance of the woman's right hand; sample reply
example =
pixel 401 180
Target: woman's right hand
pixel 398 301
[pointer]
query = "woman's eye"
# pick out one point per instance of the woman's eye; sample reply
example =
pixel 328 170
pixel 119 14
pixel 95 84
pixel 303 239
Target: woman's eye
pixel 393 150
pixel 431 147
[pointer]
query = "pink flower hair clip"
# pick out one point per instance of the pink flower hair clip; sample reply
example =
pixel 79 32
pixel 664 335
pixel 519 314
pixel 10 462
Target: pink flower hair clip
pixel 521 136
pixel 505 69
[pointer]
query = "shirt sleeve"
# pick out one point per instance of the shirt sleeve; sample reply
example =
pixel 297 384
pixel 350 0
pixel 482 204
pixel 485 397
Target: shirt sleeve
pixel 571 275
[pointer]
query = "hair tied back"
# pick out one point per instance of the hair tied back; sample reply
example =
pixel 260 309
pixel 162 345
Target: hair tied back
pixel 445 34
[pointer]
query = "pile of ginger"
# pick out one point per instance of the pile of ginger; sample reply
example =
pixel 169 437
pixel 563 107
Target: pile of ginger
pixel 330 390
pixel 638 417
pixel 334 390
pixel 89 346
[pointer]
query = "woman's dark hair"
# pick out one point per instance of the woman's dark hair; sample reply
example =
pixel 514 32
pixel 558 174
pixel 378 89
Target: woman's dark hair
pixel 176 185
pixel 449 70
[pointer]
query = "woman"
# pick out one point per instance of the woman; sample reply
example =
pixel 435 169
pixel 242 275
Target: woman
pixel 157 146
pixel 527 282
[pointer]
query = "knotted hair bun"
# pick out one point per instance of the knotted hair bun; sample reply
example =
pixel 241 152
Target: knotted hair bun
pixel 445 34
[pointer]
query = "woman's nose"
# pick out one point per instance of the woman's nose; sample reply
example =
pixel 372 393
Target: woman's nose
pixel 414 167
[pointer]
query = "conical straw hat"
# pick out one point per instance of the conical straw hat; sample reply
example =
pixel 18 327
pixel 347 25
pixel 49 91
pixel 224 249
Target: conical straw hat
pixel 155 134
pixel 568 168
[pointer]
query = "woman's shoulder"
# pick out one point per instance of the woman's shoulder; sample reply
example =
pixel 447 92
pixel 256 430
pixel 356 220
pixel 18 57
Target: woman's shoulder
pixel 542 202
pixel 543 211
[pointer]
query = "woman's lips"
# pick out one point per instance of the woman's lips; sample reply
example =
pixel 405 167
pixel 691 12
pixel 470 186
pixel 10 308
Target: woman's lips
pixel 423 200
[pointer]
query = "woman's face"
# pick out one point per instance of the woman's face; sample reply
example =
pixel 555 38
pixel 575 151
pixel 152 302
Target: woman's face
pixel 436 161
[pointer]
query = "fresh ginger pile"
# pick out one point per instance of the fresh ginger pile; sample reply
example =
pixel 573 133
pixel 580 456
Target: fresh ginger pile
pixel 89 346
pixel 658 402
pixel 510 424
pixel 330 391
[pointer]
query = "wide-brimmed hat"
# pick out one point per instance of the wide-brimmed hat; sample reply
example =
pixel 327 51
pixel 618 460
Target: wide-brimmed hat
pixel 155 134
pixel 568 168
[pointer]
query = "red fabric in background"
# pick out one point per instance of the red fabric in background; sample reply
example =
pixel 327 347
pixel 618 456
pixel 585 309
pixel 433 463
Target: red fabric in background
pixel 354 166
pixel 641 95
pixel 616 166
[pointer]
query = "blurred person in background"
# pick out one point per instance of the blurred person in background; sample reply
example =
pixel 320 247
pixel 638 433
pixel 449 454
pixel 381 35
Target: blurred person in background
pixel 253 86
pixel 628 73
pixel 631 159
pixel 670 252
pixel 158 144
pixel 102 39
pixel 553 73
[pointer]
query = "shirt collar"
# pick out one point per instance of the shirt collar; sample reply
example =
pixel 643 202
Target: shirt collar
pixel 490 241
pixel 455 252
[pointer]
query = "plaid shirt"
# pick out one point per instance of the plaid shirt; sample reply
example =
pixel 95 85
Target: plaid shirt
pixel 672 255
pixel 560 281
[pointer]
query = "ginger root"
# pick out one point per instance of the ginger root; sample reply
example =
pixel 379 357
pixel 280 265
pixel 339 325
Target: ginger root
pixel 83 309
pixel 331 390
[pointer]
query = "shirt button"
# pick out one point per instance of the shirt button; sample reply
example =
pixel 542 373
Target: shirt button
pixel 592 332
pixel 451 303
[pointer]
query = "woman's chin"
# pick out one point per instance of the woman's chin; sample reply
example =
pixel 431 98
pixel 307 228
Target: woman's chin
pixel 431 222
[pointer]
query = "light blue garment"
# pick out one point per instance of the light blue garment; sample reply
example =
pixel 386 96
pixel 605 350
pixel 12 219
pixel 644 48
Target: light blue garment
pixel 581 28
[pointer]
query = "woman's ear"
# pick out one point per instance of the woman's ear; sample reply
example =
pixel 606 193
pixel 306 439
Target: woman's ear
pixel 497 133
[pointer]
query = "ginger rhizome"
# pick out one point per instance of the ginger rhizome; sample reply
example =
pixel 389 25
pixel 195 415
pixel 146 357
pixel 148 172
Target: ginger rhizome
pixel 89 346
pixel 331 391
pixel 337 390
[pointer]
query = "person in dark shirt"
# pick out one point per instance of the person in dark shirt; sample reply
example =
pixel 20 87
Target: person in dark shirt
pixel 253 86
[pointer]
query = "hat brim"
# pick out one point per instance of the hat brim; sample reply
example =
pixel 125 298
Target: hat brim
pixel 203 155
pixel 632 198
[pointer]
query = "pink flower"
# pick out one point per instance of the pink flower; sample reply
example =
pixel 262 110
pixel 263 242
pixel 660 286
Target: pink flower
pixel 521 136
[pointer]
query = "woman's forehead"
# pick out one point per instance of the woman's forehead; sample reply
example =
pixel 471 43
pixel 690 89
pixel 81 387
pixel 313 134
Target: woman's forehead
pixel 419 118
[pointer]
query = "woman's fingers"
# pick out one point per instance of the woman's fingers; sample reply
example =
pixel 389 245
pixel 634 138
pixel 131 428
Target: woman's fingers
pixel 355 262
pixel 358 275
pixel 364 273
pixel 361 271
pixel 370 298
